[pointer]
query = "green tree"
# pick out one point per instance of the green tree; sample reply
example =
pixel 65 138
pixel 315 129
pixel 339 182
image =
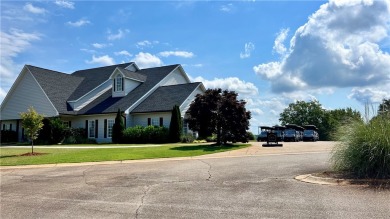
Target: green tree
pixel 384 107
pixel 176 125
pixel 307 113
pixel 32 123
pixel 220 113
pixel 117 128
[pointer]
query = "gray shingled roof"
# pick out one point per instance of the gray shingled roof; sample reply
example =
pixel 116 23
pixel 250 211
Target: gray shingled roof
pixel 164 98
pixel 108 104
pixel 133 75
pixel 93 78
pixel 58 86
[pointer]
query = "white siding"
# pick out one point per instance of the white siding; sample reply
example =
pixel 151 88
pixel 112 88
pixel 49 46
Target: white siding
pixel 176 77
pixel 85 100
pixel 79 122
pixel 186 104
pixel 142 119
pixel 25 93
pixel 130 85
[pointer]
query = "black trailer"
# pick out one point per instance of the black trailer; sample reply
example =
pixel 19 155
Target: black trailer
pixel 293 133
pixel 310 133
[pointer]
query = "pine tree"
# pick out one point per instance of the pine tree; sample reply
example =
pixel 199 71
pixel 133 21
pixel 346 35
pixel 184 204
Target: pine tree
pixel 176 126
pixel 118 128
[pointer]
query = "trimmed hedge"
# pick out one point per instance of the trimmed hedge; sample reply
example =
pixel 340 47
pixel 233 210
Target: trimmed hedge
pixel 8 136
pixel 144 135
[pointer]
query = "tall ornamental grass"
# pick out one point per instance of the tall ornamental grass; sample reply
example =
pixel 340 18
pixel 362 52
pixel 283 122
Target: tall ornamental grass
pixel 364 148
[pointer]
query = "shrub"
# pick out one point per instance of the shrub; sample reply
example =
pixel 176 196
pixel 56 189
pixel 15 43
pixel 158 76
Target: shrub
pixel 364 148
pixel 8 136
pixel 52 132
pixel 77 136
pixel 118 128
pixel 250 136
pixel 188 138
pixel 212 138
pixel 176 125
pixel 143 135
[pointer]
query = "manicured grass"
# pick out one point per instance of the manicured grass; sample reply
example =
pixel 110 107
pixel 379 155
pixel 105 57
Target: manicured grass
pixel 11 156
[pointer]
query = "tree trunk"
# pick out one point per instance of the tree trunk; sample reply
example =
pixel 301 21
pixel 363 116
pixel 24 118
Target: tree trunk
pixel 32 146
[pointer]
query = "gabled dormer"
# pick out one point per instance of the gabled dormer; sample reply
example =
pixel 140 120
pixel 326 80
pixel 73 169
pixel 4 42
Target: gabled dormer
pixel 124 80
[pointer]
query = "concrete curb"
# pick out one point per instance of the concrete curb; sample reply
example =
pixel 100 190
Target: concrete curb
pixel 310 178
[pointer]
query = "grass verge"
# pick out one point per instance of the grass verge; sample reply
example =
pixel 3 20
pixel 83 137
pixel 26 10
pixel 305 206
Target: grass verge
pixel 11 156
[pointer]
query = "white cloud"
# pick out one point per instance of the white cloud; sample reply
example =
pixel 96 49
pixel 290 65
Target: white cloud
pixel 12 44
pixel 100 45
pixel 256 112
pixel 103 60
pixel 370 95
pixel 123 53
pixel 249 47
pixel 33 9
pixel 88 50
pixel 65 4
pixel 147 60
pixel 339 47
pixel 182 54
pixel 231 84
pixel 279 42
pixel 227 8
pixel 146 44
pixel 78 23
pixel 121 33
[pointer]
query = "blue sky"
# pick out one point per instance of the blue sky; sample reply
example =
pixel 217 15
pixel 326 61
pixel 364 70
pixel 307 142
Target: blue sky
pixel 271 52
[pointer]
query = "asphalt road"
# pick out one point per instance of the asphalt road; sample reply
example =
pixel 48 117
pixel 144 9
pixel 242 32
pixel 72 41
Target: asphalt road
pixel 255 186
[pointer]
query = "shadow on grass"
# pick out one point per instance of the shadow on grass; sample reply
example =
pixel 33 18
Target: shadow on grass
pixel 211 148
pixel 7 156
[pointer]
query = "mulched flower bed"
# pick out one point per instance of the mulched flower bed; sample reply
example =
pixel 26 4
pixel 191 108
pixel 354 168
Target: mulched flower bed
pixel 32 154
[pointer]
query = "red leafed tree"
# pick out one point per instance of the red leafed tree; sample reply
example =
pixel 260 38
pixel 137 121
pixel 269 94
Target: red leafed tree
pixel 221 113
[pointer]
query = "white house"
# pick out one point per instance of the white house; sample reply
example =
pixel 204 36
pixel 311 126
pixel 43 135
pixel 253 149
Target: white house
pixel 90 98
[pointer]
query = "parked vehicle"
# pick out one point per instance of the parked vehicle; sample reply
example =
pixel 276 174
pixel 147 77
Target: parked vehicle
pixel 279 130
pixel 263 132
pixel 310 133
pixel 293 133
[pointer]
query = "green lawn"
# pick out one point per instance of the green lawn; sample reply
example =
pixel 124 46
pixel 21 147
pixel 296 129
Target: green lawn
pixel 11 156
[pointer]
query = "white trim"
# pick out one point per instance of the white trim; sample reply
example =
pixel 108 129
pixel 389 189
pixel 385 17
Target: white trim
pixel 149 92
pixel 72 101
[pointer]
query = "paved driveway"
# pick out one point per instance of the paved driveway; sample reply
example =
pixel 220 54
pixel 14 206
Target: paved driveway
pixel 243 185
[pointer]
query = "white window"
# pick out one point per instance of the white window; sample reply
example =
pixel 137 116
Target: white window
pixel 155 122
pixel 110 124
pixel 119 83
pixel 91 129
pixel 66 124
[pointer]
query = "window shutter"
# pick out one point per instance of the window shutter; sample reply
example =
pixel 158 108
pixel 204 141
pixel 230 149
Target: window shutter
pixel 161 121
pixel 70 124
pixel 10 127
pixel 123 87
pixel 114 84
pixel 149 121
pixel 3 126
pixel 105 128
pixel 86 128
pixel 96 128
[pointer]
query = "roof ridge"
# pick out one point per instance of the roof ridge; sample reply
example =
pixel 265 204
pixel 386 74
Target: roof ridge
pixel 48 70
pixel 107 66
